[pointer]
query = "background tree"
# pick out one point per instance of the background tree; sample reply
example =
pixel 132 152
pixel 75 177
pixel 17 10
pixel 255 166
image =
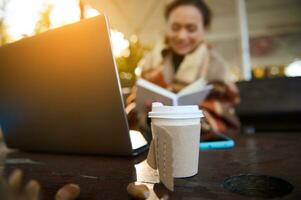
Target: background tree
pixel 44 23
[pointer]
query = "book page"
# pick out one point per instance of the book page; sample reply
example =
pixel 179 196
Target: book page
pixel 193 87
pixel 149 92
pixel 195 98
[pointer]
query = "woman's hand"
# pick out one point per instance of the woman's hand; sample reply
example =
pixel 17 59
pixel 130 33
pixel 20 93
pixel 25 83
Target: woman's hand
pixel 148 105
pixel 155 76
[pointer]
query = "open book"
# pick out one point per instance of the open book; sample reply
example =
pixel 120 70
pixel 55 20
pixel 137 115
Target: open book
pixel 192 94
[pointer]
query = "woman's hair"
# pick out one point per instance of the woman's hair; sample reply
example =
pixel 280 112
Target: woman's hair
pixel 199 4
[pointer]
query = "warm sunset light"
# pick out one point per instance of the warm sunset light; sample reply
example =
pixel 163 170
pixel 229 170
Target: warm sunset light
pixel 91 12
pixel 22 17
pixel 64 12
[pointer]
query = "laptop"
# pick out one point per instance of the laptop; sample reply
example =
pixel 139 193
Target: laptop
pixel 60 92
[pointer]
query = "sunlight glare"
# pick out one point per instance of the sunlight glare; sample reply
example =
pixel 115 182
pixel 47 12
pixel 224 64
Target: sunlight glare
pixel 91 12
pixel 64 12
pixel 293 69
pixel 119 43
pixel 21 17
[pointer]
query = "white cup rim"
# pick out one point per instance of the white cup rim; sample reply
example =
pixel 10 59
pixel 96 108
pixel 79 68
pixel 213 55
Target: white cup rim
pixel 173 115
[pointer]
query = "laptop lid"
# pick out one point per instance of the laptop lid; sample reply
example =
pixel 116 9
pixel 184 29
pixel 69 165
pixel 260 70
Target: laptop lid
pixel 60 92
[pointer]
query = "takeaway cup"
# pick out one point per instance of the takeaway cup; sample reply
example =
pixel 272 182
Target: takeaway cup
pixel 182 123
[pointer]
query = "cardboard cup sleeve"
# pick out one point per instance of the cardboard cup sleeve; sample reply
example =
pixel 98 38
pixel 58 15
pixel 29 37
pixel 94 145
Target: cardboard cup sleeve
pixel 174 151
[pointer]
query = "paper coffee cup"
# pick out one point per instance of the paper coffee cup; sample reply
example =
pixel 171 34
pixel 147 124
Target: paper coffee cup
pixel 182 123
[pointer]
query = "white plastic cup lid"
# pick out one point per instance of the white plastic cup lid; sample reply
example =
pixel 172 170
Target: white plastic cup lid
pixel 175 112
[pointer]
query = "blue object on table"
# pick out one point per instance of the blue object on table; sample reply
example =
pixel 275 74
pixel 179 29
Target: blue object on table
pixel 222 142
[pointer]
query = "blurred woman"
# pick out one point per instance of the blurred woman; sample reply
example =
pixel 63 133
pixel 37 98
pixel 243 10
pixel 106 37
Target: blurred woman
pixel 184 57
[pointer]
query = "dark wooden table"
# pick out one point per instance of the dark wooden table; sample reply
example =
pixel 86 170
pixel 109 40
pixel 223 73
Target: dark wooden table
pixel 104 177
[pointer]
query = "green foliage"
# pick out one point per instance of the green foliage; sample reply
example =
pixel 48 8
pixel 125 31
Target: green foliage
pixel 127 65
